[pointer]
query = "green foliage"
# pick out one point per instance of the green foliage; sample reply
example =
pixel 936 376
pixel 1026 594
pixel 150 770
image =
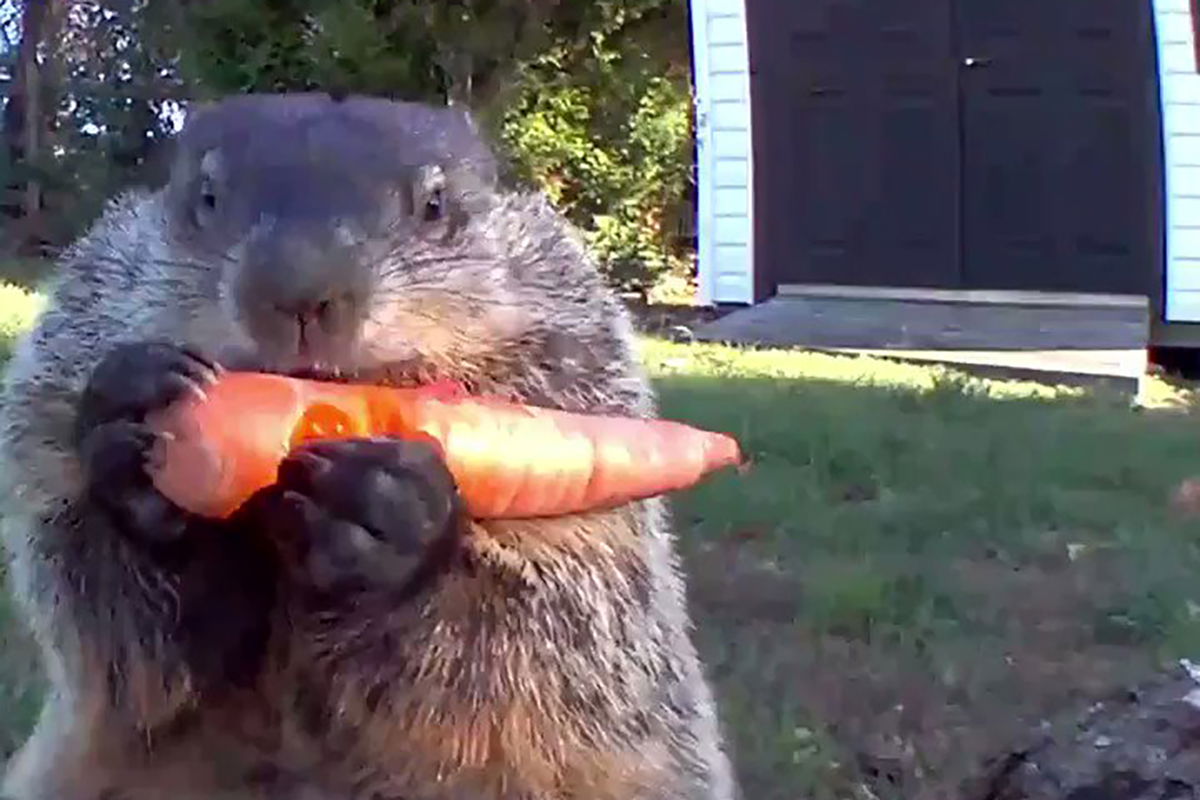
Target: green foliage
pixel 589 100
pixel 462 50
pixel 237 46
pixel 104 85
pixel 610 142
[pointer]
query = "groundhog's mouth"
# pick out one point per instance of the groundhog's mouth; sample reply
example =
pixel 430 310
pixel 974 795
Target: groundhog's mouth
pixel 326 375
pixel 400 376
pixel 410 373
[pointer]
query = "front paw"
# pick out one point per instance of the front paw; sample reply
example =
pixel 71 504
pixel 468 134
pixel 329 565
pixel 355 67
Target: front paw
pixel 133 380
pixel 366 513
pixel 115 444
pixel 114 457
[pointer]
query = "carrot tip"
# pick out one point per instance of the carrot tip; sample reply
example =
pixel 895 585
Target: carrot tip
pixel 726 452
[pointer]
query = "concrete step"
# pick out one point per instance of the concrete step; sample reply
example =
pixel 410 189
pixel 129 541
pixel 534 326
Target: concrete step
pixel 1059 344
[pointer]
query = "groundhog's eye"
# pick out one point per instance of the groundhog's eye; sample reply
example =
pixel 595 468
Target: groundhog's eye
pixel 433 206
pixel 207 202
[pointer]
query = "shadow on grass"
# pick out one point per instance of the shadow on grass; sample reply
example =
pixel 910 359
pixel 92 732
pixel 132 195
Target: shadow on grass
pixel 21 685
pixel 27 273
pixel 908 577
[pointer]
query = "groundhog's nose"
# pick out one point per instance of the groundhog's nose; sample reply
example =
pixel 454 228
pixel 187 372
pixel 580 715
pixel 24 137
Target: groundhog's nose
pixel 307 312
pixel 311 324
pixel 302 291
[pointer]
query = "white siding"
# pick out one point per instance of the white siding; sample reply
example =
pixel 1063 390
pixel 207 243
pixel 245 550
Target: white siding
pixel 1180 96
pixel 724 169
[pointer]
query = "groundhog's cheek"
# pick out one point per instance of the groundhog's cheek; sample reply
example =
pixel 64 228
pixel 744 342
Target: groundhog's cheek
pixel 391 338
pixel 217 330
pixel 508 321
pixel 445 328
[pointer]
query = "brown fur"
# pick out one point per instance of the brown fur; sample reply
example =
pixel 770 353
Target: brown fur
pixel 552 661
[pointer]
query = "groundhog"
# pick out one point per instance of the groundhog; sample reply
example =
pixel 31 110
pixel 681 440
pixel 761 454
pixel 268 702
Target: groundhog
pixel 350 632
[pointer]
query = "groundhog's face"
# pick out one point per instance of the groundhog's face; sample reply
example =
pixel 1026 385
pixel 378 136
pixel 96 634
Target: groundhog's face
pixel 345 239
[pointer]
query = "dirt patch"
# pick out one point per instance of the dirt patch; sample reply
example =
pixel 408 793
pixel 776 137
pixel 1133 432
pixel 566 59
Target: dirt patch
pixel 913 719
pixel 1139 744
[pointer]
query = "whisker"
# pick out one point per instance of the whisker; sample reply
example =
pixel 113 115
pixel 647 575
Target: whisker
pixel 464 297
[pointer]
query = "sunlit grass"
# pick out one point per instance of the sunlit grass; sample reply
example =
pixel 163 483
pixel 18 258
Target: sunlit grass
pixel 19 308
pixel 19 684
pixel 666 358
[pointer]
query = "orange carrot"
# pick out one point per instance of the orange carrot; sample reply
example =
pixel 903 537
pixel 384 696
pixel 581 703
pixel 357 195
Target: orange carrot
pixel 509 460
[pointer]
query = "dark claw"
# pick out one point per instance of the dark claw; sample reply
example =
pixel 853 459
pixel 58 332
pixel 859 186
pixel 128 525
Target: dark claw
pixel 136 379
pixel 132 381
pixel 365 512
pixel 114 457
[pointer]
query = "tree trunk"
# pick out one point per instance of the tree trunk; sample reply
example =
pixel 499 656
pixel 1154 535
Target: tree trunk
pixel 33 117
pixel 460 67
pixel 23 114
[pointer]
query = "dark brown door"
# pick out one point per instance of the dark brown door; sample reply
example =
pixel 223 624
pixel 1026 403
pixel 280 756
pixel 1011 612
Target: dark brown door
pixel 1058 137
pixel 981 144
pixel 856 141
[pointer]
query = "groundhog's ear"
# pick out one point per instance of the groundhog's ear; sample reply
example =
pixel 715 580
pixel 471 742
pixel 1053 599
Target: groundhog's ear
pixel 196 136
pixel 192 116
pixel 202 132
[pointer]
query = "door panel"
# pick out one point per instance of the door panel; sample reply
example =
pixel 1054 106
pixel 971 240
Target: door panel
pixel 883 157
pixel 857 135
pixel 1056 145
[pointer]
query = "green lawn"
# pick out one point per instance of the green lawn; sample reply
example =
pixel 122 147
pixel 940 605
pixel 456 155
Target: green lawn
pixel 19 684
pixel 920 564
pixel 916 567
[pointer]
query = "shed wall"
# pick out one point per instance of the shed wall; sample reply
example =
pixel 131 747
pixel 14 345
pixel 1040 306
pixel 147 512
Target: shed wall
pixel 725 174
pixel 1179 88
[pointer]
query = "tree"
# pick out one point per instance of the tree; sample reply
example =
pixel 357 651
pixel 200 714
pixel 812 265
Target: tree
pixel 589 100
pixel 605 128
pixel 23 115
pixel 84 113
pixel 460 51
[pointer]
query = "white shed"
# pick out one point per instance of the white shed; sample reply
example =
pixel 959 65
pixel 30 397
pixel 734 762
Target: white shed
pixel 940 149
pixel 725 168
pixel 1179 91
